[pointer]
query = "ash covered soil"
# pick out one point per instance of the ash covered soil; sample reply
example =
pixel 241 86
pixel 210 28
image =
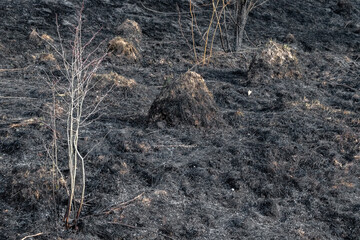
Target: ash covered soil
pixel 281 161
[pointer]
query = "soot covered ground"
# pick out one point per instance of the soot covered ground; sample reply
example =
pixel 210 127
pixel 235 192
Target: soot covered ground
pixel 283 163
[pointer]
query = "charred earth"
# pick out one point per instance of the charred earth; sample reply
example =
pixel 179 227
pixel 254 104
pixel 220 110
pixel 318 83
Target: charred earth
pixel 270 149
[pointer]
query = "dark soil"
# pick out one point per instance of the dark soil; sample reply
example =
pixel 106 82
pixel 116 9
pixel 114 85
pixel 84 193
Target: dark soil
pixel 284 163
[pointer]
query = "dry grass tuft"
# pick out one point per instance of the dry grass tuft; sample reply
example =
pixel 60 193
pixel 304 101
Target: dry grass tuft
pixel 49 60
pixel 47 57
pixel 47 38
pixel 114 79
pixel 131 31
pixel 116 83
pixel 38 39
pixel 120 47
pixel 34 37
pixel 275 61
pixel 26 122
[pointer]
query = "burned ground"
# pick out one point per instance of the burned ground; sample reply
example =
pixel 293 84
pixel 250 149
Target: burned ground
pixel 284 164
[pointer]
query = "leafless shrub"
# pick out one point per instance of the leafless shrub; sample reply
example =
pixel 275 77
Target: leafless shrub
pixel 236 13
pixel 78 66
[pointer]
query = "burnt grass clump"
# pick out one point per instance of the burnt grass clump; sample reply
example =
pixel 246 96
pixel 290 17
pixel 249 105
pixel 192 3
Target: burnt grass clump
pixel 186 100
pixel 260 144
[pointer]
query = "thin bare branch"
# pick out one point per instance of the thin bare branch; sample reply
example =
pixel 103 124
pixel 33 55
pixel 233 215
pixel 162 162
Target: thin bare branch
pixel 34 235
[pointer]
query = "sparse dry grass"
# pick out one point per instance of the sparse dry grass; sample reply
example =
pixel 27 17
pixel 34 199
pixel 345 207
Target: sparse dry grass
pixel 317 105
pixel 114 79
pixel 47 57
pixel 47 38
pixel 120 47
pixel 131 31
pixel 276 53
pixel 36 38
pixel 275 61
pixel 26 122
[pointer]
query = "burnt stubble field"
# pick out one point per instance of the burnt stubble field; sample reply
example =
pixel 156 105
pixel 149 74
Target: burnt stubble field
pixel 270 149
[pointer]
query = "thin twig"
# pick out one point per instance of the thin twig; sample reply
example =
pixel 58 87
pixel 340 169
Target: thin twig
pixel 344 86
pixel 192 31
pixel 14 69
pixel 97 144
pixel 181 29
pixel 226 29
pixel 208 32
pixel 125 203
pixel 218 25
pixel 176 146
pixel 34 235
pixel 6 97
